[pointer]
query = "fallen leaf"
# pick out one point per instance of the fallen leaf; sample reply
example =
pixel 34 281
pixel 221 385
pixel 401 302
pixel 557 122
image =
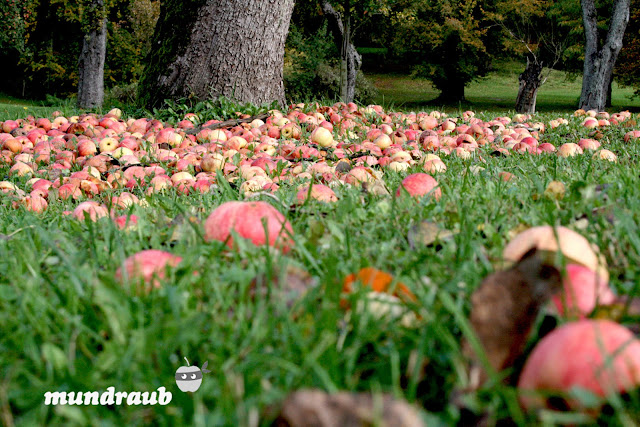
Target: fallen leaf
pixel 426 233
pixel 319 409
pixel 289 286
pixel 504 309
pixel 377 188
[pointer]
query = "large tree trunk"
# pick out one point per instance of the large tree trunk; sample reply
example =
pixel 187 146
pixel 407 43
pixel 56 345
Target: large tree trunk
pixel 204 49
pixel 530 82
pixel 599 61
pixel 349 56
pixel 91 61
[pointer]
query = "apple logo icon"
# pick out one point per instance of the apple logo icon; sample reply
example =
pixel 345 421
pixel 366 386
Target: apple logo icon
pixel 189 378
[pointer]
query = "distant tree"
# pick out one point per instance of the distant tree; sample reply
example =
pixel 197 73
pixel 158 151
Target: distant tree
pixel 601 52
pixel 449 38
pixel 92 56
pixel 628 64
pixel 205 49
pixel 532 29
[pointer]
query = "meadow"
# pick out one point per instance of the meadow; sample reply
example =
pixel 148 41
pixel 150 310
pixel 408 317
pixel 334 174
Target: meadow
pixel 267 321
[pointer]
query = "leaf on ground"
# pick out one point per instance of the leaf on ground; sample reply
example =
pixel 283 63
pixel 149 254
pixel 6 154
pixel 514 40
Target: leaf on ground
pixel 377 188
pixel 426 233
pixel 504 309
pixel 290 285
pixel 343 409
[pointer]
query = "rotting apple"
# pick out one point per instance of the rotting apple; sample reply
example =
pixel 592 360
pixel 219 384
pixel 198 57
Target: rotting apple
pixel 246 220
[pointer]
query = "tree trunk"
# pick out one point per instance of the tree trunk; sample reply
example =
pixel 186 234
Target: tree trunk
pixel 453 93
pixel 204 49
pixel 91 60
pixel 599 62
pixel 609 91
pixel 349 56
pixel 530 82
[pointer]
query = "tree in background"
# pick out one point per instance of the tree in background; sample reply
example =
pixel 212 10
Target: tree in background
pixel 313 64
pixel 92 55
pixel 533 29
pixel 628 64
pixel 44 40
pixel 601 52
pixel 450 39
pixel 206 49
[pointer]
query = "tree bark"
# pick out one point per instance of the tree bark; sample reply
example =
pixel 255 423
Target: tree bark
pixel 530 82
pixel 349 56
pixel 599 61
pixel 204 49
pixel 91 60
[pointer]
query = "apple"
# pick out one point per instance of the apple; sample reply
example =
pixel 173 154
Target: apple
pixel 606 155
pixel 569 149
pixel 383 141
pixel 108 144
pixel 246 219
pixel 582 291
pixel 600 356
pixel 90 208
pixel 419 185
pixel 323 137
pixel 319 192
pixel 574 247
pixel 149 265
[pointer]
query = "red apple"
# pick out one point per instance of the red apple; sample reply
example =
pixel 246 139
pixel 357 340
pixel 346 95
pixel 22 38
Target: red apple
pixel 600 356
pixel 246 219
pixel 419 185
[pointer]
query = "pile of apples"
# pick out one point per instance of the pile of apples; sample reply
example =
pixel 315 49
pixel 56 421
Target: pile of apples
pixel 90 157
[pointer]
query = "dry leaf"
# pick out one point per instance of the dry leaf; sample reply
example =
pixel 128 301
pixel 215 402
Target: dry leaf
pixel 319 409
pixel 293 283
pixel 377 188
pixel 504 309
pixel 426 233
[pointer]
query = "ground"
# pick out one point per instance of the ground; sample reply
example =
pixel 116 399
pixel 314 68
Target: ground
pixel 269 321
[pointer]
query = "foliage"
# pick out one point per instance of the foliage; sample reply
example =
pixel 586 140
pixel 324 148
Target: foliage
pixel 13 14
pixel 311 69
pixel 532 28
pixel 448 39
pixel 628 64
pixel 48 38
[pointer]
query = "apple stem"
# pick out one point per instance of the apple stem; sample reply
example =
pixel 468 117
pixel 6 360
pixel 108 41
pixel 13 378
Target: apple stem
pixel 185 358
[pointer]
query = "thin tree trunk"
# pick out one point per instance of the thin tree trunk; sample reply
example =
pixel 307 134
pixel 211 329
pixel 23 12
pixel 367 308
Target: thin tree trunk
pixel 530 82
pixel 91 61
pixel 599 62
pixel 204 49
pixel 349 56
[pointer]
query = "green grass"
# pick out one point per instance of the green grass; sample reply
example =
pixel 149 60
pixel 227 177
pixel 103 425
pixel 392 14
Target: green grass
pixel 495 92
pixel 68 324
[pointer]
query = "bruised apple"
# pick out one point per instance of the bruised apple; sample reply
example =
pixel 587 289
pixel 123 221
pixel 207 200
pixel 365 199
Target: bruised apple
pixel 246 220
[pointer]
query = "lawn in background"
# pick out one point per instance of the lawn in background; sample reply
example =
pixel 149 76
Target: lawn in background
pixel 495 92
